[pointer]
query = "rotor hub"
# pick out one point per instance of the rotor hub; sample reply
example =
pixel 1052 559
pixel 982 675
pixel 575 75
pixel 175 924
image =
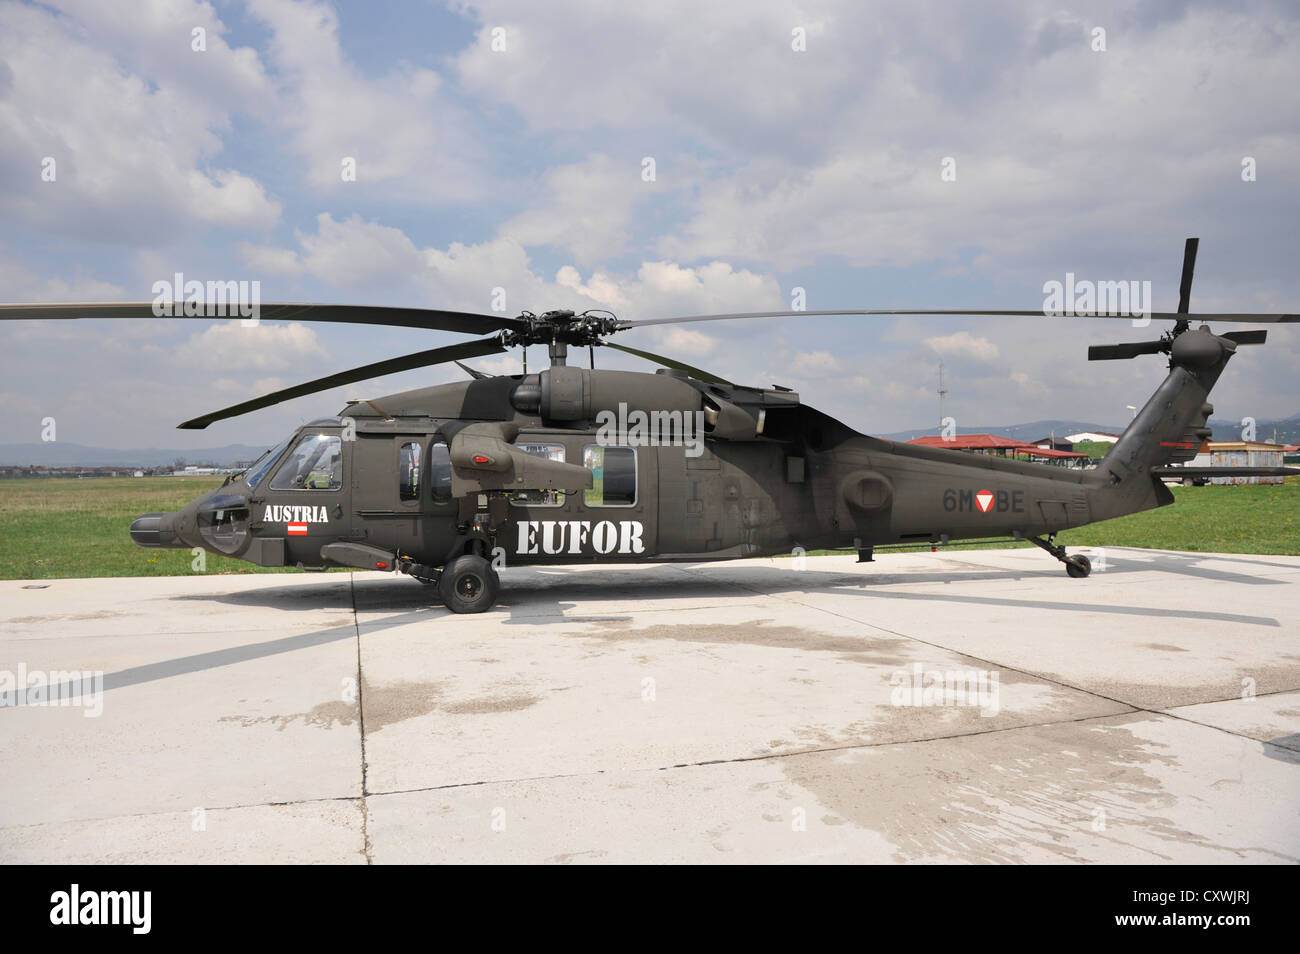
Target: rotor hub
pixel 559 329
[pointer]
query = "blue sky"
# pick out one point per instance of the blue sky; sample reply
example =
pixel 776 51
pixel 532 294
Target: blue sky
pixel 522 169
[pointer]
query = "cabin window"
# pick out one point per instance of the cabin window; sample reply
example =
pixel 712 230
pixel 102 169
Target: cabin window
pixel 440 472
pixel 540 498
pixel 315 464
pixel 613 472
pixel 408 471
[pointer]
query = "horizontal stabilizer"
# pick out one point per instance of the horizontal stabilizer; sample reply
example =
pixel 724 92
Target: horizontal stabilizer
pixel 1225 472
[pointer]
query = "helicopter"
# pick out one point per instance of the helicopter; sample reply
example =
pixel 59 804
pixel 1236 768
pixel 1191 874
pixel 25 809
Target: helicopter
pixel 572 465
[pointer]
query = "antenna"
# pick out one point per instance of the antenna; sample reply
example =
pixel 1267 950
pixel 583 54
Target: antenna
pixel 943 392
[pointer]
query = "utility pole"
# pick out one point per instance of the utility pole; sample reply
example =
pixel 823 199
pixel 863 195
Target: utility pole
pixel 943 392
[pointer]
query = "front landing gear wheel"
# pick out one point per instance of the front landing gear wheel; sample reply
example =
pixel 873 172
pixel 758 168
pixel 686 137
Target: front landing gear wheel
pixel 1078 566
pixel 468 584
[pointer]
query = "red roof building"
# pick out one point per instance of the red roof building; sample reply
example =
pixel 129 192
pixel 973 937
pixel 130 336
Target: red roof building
pixel 971 442
pixel 993 444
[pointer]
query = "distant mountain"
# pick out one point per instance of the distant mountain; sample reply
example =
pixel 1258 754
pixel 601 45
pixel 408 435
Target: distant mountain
pixel 63 454
pixel 1020 432
pixel 1287 430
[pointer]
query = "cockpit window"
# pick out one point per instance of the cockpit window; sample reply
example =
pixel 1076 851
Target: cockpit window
pixel 265 462
pixel 315 464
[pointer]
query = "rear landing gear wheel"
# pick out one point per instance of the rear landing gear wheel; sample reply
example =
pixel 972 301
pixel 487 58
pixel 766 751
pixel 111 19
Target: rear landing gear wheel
pixel 468 584
pixel 1078 566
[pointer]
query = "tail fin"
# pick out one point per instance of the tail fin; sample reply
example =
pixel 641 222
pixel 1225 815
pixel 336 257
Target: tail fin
pixel 1170 428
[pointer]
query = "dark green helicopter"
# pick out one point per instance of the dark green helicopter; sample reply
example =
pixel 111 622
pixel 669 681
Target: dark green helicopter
pixel 577 465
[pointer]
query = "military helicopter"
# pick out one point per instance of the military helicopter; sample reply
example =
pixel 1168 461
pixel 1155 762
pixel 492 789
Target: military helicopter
pixel 577 465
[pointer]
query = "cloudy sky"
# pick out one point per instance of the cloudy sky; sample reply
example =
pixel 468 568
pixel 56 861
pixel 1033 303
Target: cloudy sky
pixel 522 168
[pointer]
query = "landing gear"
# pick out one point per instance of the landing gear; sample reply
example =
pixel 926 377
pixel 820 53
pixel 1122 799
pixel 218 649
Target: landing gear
pixel 1077 566
pixel 469 584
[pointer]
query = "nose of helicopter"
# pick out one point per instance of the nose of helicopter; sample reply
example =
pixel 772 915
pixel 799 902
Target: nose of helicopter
pixel 154 530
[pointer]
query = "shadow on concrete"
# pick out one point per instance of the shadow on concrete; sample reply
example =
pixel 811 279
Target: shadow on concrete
pixel 543 596
pixel 1285 748
pixel 198 662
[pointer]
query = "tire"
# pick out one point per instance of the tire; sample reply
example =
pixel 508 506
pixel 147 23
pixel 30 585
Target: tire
pixel 1078 566
pixel 468 584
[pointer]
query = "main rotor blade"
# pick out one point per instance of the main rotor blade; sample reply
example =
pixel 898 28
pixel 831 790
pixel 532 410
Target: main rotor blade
pixel 1189 265
pixel 421 359
pixel 429 318
pixel 670 363
pixel 940 312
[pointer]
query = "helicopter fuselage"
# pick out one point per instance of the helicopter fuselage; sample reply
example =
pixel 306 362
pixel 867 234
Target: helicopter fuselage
pixel 392 484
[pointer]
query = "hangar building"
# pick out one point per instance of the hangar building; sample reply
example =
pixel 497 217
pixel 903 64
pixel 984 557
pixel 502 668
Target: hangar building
pixel 1240 454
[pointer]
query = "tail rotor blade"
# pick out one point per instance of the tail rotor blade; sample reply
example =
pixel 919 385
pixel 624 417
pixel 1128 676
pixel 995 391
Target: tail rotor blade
pixel 1246 337
pixel 1130 349
pixel 1189 265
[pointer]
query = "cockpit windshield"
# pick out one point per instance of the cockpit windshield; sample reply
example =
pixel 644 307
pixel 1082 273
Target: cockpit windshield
pixel 316 463
pixel 265 462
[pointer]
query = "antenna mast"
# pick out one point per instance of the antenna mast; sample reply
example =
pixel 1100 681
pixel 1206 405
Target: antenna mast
pixel 943 392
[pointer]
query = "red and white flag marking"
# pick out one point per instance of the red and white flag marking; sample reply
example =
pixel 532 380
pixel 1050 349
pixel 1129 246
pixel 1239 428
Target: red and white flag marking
pixel 297 529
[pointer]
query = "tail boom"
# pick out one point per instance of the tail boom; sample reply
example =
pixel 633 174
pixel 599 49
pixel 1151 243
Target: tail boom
pixel 1169 429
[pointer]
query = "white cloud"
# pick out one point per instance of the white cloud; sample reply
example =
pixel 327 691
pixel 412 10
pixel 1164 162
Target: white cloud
pixel 231 346
pixel 400 128
pixel 356 253
pixel 155 38
pixel 768 161
pixel 963 344
pixel 502 364
pixel 1027 386
pixel 270 260
pixel 585 208
pixel 1063 155
pixel 131 149
pixel 687 341
pixel 21 284
pixel 600 287
pixel 724 71
pixel 671 289
pixel 816 364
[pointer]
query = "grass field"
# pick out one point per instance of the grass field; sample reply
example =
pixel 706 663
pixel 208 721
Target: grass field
pixel 1251 518
pixel 66 527
pixel 78 528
